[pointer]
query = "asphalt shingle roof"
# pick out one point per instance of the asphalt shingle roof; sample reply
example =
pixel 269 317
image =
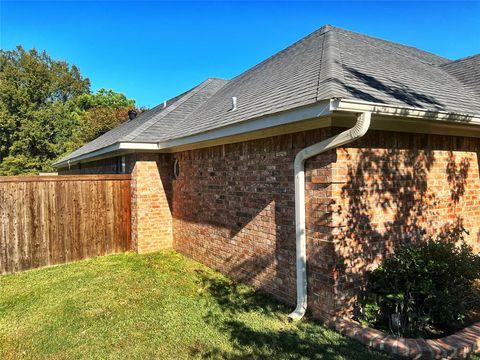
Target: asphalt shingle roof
pixel 467 70
pixel 161 118
pixel 329 63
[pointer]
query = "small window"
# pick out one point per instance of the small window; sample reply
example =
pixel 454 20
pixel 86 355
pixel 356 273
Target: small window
pixel 176 169
pixel 121 165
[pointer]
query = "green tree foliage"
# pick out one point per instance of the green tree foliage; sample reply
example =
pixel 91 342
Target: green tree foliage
pixel 104 98
pixel 47 110
pixel 100 119
pixel 101 112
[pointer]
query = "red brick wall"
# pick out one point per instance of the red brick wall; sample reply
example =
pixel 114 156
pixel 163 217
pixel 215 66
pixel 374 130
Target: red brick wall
pixel 151 214
pixel 393 188
pixel 233 209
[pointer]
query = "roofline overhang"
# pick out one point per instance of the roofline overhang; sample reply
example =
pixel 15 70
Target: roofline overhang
pixel 313 111
pixel 317 110
pixel 307 117
pixel 117 148
pixel 350 105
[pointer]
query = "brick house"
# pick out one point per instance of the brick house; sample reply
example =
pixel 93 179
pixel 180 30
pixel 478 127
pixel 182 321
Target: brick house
pixel 219 172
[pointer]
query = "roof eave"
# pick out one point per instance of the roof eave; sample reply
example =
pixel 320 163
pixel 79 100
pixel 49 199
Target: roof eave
pixel 264 126
pixel 352 105
pixel 117 148
pixel 313 111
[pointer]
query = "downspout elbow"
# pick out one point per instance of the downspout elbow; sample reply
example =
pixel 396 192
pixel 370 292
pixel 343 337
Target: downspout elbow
pixel 361 126
pixel 299 162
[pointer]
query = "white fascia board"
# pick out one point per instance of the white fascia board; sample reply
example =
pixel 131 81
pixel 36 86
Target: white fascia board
pixel 121 147
pixel 268 123
pixel 316 110
pixel 138 146
pixel 403 111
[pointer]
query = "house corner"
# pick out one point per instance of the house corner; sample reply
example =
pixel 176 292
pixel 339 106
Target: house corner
pixel 151 213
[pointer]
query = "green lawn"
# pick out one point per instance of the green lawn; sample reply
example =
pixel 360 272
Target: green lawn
pixel 161 305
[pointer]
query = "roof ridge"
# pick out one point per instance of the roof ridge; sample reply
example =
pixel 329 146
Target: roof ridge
pixel 320 68
pixel 340 60
pixel 362 37
pixel 331 66
pixel 217 78
pixel 188 94
pixel 318 32
pixel 459 60
pixel 158 108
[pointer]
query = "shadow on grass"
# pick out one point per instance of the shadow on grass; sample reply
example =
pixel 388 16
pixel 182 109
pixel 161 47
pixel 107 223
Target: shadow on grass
pixel 234 298
pixel 287 341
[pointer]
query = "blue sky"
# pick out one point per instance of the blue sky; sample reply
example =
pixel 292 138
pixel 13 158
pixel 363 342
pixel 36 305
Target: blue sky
pixel 154 50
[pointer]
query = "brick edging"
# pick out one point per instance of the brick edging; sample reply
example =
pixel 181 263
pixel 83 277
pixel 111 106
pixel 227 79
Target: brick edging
pixel 459 345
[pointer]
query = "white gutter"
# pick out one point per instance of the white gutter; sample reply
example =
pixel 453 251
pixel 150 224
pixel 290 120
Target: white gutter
pixel 97 154
pixel 345 137
pixel 312 111
pixel 349 105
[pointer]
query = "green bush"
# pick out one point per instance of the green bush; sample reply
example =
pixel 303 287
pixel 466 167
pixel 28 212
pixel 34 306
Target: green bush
pixel 423 290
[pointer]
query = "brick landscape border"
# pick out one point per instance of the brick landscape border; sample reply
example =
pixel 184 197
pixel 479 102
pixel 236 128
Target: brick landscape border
pixel 459 345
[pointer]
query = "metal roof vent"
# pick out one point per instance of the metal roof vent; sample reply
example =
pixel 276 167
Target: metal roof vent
pixel 234 103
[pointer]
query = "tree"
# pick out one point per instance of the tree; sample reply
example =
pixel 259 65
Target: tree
pixel 36 109
pixel 99 120
pixel 104 98
pixel 47 110
pixel 101 112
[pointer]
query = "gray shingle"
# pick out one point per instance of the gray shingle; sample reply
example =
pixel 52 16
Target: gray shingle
pixel 179 111
pixel 132 131
pixel 467 70
pixel 284 81
pixel 329 63
pixel 378 71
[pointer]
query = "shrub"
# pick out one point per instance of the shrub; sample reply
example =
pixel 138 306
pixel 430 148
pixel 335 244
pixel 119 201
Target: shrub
pixel 423 289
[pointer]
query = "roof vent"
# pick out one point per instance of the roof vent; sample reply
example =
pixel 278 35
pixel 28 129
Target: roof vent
pixel 132 114
pixel 234 103
pixel 164 104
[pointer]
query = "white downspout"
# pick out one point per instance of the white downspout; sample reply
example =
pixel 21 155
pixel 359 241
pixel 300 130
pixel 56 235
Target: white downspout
pixel 347 136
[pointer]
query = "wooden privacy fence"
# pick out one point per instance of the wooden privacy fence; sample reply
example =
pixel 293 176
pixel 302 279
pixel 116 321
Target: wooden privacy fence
pixel 46 220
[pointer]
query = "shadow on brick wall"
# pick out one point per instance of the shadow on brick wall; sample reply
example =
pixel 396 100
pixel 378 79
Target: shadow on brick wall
pixel 233 209
pixel 457 176
pixel 390 198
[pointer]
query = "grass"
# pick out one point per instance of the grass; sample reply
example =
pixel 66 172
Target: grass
pixel 161 305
